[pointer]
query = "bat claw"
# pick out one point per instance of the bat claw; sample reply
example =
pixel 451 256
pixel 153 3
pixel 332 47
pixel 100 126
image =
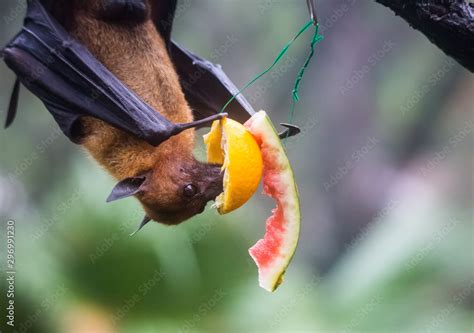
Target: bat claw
pixel 145 220
pixel 291 130
pixel 312 11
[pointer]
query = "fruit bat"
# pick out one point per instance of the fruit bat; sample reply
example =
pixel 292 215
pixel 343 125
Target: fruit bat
pixel 115 82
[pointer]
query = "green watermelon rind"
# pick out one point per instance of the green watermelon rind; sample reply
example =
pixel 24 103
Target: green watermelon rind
pixel 261 127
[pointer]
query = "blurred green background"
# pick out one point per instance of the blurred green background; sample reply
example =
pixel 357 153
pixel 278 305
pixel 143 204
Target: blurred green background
pixel 385 172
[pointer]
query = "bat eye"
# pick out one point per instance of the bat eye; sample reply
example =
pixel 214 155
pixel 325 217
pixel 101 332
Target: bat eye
pixel 190 191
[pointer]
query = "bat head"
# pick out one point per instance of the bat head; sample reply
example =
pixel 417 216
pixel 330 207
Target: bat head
pixel 172 196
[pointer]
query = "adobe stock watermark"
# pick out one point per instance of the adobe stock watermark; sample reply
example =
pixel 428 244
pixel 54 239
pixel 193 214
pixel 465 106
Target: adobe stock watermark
pixel 46 305
pixel 142 290
pixel 216 54
pixel 57 213
pixel 10 273
pixel 442 315
pixel 15 12
pixel 265 5
pixel 181 8
pixel 362 314
pixel 371 226
pixel 429 246
pixel 309 124
pixel 203 231
pixel 441 154
pixel 223 48
pixel 432 81
pixel 106 243
pixel 289 306
pixel 270 81
pixel 358 74
pixel 337 14
pixel 203 310
pixel 351 163
pixel 40 148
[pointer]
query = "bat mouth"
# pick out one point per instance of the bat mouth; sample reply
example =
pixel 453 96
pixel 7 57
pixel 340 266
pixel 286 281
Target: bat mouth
pixel 176 216
pixel 215 183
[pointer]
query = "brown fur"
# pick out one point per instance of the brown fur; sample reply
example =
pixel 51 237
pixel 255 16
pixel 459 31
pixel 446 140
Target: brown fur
pixel 138 57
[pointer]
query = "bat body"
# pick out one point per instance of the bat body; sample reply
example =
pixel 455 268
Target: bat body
pixel 136 54
pixel 117 84
pixel 103 70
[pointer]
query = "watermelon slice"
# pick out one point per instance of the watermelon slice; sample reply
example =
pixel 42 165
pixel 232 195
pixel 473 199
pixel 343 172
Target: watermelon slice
pixel 273 253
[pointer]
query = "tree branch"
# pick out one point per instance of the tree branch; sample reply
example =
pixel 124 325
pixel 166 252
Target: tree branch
pixel 449 24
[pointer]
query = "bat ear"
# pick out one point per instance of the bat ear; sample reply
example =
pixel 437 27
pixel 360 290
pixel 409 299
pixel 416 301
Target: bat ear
pixel 126 188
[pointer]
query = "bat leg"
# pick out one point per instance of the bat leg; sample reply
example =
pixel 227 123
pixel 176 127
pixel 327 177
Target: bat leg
pixel 204 121
pixel 124 11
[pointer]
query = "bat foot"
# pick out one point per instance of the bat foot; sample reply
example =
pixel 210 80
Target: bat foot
pixel 124 11
pixel 291 130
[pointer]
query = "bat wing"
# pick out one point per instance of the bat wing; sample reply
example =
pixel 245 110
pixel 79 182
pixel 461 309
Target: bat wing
pixel 205 84
pixel 162 14
pixel 72 83
pixel 207 87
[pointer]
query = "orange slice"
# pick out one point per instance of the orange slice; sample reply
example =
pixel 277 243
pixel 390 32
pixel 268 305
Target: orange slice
pixel 229 143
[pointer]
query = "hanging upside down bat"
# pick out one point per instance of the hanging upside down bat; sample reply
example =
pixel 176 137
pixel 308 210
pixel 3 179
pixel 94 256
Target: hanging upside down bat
pixel 115 82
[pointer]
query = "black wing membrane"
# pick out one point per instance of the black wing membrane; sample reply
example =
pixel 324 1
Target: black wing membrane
pixel 12 107
pixel 72 83
pixel 162 15
pixel 206 87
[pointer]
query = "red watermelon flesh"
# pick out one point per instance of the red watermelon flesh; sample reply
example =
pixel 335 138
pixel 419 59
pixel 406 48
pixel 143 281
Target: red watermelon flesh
pixel 273 253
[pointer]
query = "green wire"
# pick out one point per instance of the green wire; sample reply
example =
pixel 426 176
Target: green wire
pixel 277 59
pixel 316 39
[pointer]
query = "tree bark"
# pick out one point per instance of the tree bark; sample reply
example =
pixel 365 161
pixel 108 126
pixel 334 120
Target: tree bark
pixel 449 24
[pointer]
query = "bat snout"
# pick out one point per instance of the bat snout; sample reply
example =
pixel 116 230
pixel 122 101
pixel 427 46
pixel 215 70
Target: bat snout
pixel 214 182
pixel 205 183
